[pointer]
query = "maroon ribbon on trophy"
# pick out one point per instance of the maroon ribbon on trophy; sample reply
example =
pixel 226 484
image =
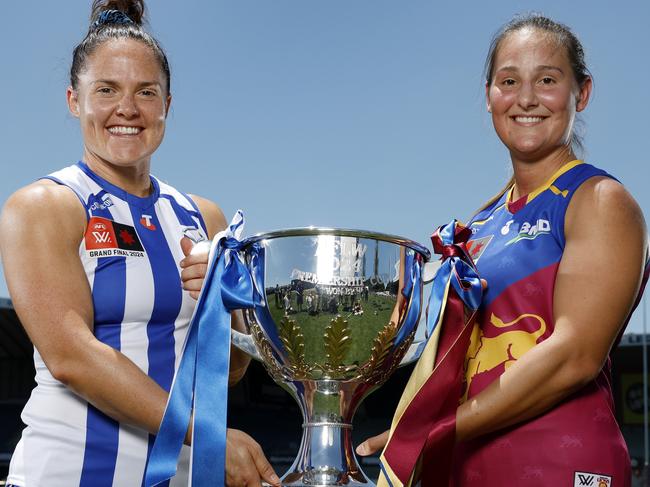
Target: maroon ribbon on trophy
pixel 422 435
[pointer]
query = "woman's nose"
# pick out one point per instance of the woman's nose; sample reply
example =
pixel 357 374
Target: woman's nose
pixel 127 107
pixel 527 97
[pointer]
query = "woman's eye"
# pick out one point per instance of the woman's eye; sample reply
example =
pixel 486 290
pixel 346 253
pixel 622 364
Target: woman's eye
pixel 547 80
pixel 508 82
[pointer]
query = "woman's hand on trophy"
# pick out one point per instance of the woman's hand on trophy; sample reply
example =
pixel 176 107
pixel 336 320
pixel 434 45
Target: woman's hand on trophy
pixel 373 444
pixel 194 265
pixel 246 464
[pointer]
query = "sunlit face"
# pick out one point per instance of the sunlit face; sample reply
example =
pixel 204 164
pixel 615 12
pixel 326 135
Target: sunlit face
pixel 121 102
pixel 533 95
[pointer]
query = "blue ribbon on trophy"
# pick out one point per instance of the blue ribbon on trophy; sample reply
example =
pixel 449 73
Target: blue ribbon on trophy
pixel 414 291
pixel 201 382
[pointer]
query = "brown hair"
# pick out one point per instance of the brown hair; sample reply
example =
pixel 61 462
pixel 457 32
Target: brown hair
pixel 115 19
pixel 559 32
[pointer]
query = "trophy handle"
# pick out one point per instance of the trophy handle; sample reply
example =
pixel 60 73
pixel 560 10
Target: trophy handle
pixel 244 343
pixel 429 271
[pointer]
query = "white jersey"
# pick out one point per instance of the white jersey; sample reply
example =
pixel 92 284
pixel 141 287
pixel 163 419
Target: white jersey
pixel 130 252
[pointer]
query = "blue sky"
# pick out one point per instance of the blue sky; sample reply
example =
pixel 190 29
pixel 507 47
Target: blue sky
pixel 360 114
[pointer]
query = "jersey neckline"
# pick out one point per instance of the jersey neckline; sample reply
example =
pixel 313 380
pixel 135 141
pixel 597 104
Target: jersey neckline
pixel 139 201
pixel 515 206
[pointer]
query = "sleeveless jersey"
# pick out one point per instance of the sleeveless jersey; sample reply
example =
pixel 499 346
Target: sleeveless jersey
pixel 130 253
pixel 517 248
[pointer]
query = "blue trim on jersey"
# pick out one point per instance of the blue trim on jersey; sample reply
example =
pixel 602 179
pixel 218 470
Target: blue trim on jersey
pixel 167 305
pixel 131 199
pixel 198 212
pixel 102 432
pixel 183 214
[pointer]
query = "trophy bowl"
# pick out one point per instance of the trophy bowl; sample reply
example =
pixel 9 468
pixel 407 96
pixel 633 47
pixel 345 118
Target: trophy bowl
pixel 339 311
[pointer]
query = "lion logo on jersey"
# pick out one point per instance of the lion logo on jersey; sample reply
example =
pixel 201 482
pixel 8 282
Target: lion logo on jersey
pixel 486 353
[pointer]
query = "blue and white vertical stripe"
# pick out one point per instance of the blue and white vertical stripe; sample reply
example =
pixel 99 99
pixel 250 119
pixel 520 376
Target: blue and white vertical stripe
pixel 140 310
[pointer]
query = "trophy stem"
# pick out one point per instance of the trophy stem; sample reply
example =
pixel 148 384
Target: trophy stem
pixel 326 455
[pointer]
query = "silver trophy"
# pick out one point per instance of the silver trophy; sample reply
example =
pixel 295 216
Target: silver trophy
pixel 338 312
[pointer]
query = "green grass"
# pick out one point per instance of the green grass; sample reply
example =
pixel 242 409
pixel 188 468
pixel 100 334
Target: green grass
pixel 363 328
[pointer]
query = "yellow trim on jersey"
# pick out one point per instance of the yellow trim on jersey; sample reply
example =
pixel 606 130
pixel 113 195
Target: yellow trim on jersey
pixel 559 192
pixel 483 222
pixel 549 183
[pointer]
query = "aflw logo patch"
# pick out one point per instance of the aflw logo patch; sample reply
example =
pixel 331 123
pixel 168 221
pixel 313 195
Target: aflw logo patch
pixel 586 479
pixel 106 238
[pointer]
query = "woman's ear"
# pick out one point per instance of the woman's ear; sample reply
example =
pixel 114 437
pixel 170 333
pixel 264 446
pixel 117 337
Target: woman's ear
pixel 487 97
pixel 73 101
pixel 168 103
pixel 584 94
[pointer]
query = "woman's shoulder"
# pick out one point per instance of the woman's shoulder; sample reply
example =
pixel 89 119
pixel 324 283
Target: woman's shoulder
pixel 602 200
pixel 603 192
pixel 43 207
pixel 44 197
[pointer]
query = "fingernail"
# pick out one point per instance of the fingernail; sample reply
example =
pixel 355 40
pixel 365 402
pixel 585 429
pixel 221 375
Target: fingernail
pixel 362 449
pixel 275 479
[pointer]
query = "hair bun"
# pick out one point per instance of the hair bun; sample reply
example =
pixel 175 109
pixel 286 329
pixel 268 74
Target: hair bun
pixel 116 12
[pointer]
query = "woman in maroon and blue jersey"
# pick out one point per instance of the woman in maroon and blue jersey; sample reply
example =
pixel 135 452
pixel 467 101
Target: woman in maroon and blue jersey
pixel 563 249
pixel 101 275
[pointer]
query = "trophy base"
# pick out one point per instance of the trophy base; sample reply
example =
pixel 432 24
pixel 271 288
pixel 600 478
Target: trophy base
pixel 302 484
pixel 325 477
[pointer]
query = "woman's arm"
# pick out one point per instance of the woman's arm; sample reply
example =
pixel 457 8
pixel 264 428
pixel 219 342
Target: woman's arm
pixel 597 282
pixel 40 232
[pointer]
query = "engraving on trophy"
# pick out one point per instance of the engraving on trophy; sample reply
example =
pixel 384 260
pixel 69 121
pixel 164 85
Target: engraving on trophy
pixel 337 343
pixel 381 349
pixel 266 352
pixel 294 344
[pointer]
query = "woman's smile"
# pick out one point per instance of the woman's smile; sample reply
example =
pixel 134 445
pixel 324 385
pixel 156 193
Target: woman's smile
pixel 122 130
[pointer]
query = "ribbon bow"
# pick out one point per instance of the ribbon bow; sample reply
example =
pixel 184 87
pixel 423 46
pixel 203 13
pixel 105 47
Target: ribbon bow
pixel 425 420
pixel 457 267
pixel 201 381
